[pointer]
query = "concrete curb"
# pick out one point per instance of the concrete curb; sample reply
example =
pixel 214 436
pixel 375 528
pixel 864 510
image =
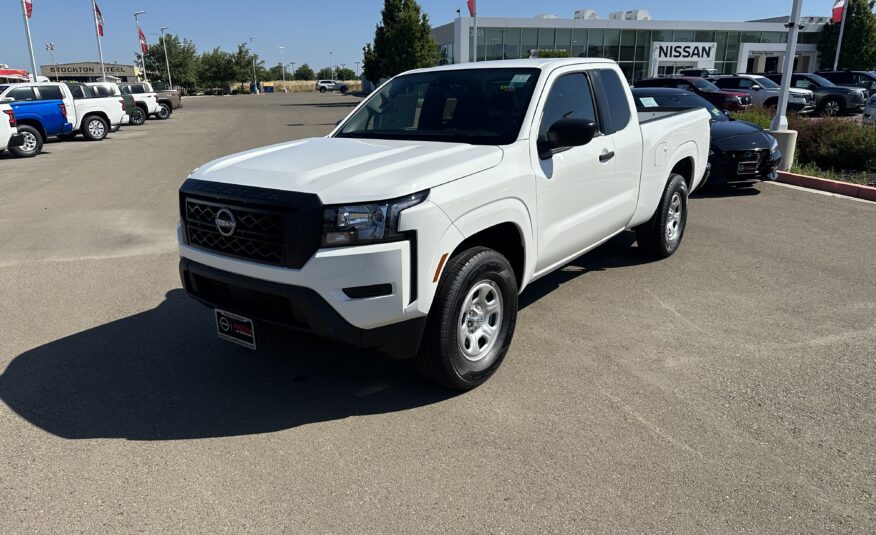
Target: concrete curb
pixel 832 186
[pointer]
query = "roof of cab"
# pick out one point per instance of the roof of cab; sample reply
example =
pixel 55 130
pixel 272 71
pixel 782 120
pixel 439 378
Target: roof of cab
pixel 534 63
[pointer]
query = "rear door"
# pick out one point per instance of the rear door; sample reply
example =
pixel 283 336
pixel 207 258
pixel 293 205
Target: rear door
pixel 574 187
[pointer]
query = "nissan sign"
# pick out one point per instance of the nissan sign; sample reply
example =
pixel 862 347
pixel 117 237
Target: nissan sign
pixel 685 51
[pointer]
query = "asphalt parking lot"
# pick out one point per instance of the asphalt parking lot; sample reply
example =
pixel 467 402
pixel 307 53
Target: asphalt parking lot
pixel 728 389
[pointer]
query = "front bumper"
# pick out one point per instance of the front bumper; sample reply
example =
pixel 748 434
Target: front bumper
pixel 16 140
pixel 726 167
pixel 294 308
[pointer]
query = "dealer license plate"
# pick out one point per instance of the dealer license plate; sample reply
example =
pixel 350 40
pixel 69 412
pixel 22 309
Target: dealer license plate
pixel 235 328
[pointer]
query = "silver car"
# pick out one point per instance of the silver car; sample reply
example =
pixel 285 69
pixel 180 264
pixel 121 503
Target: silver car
pixel 765 92
pixel 331 85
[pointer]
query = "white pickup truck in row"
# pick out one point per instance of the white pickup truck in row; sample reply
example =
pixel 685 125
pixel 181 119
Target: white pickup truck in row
pixel 415 224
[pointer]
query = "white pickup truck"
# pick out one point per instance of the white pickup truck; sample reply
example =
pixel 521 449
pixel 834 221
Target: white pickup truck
pixel 95 115
pixel 9 136
pixel 145 101
pixel 415 224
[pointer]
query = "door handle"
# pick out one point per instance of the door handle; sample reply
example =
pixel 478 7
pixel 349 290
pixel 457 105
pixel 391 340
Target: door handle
pixel 606 156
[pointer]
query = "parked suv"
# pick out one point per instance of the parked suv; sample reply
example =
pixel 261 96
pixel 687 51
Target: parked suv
pixel 700 73
pixel 331 85
pixel 725 100
pixel 765 93
pixel 830 99
pixel 863 79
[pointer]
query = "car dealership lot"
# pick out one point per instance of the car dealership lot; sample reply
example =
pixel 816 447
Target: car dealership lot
pixel 729 388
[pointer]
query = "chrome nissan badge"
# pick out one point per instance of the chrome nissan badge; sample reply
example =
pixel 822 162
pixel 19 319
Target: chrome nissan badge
pixel 225 222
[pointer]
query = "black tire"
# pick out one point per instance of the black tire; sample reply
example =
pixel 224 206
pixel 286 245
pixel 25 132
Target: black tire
pixel 656 239
pixel 472 282
pixel 832 107
pixel 138 116
pixel 322 90
pixel 771 103
pixel 164 111
pixel 94 128
pixel 33 142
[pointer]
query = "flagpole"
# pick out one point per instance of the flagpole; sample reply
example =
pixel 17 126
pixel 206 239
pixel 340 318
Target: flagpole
pixel 97 34
pixel 839 44
pixel 29 41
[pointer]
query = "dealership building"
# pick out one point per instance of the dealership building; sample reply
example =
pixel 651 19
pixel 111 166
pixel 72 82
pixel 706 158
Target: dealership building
pixel 643 47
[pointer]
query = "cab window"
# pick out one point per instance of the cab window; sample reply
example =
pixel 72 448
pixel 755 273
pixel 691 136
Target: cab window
pixel 570 98
pixel 50 92
pixel 22 94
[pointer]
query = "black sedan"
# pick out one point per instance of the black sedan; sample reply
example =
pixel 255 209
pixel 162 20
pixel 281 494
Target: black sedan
pixel 740 151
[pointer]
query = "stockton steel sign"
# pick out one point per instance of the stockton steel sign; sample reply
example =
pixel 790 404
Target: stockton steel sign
pixel 87 69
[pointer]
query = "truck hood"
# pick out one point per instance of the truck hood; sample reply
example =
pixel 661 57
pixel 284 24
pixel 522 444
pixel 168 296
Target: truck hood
pixel 341 170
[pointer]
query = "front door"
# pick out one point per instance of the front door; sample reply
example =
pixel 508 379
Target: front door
pixel 575 186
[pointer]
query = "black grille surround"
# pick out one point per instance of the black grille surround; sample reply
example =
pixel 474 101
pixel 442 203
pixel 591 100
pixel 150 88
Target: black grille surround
pixel 274 227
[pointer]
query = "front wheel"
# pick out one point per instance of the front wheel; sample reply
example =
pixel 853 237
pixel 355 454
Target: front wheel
pixel 322 90
pixel 163 112
pixel 95 128
pixel 662 234
pixel 832 107
pixel 33 142
pixel 138 117
pixel 472 320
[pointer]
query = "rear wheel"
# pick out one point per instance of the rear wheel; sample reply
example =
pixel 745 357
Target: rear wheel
pixel 661 236
pixel 164 111
pixel 322 90
pixel 33 142
pixel 472 320
pixel 94 128
pixel 138 116
pixel 832 107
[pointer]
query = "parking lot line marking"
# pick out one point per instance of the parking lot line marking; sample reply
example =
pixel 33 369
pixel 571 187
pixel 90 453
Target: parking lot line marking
pixel 818 192
pixel 669 308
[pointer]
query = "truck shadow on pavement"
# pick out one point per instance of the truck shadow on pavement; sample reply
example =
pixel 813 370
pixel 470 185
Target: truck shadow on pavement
pixel 163 375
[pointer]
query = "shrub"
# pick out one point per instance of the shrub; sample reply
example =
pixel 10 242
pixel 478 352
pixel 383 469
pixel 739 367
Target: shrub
pixel 759 116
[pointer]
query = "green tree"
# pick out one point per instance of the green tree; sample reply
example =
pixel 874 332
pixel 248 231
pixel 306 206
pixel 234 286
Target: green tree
pixel 182 54
pixel 402 41
pixel 243 60
pixel 859 39
pixel 217 69
pixel 325 74
pixel 304 72
pixel 345 73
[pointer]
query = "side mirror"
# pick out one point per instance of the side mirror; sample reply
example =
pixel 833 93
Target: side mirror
pixel 728 113
pixel 565 134
pixel 756 87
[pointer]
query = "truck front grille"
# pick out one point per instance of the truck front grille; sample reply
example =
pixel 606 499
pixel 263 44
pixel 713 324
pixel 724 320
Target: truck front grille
pixel 257 234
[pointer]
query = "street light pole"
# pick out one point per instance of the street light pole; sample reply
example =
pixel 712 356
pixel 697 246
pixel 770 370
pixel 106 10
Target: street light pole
pixel 50 47
pixel 332 63
pixel 142 54
pixel 357 68
pixel 283 65
pixel 780 121
pixel 254 75
pixel 166 59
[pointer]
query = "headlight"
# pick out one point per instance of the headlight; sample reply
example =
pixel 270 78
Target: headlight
pixel 774 144
pixel 360 224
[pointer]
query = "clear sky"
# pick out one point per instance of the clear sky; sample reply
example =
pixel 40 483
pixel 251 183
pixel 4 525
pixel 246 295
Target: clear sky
pixel 308 28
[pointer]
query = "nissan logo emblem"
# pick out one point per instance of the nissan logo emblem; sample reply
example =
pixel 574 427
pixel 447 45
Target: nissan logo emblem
pixel 225 222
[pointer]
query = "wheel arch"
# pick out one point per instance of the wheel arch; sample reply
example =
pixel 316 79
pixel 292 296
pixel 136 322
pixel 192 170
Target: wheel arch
pixel 34 124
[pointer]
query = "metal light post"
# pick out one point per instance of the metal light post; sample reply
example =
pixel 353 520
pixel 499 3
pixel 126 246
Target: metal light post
pixel 142 54
pixel 780 121
pixel 166 59
pixel 332 63
pixel 839 44
pixel 50 48
pixel 292 69
pixel 283 65
pixel 254 75
pixel 357 68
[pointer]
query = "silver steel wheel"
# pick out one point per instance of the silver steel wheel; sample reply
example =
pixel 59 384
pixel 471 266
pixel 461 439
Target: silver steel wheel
pixel 96 128
pixel 480 320
pixel 30 142
pixel 673 219
pixel 832 108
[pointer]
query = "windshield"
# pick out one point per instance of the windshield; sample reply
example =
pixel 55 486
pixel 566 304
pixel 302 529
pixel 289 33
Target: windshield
pixel 652 102
pixel 824 82
pixel 705 86
pixel 765 82
pixel 476 106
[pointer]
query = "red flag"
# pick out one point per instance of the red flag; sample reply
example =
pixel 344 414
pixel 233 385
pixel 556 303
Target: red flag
pixel 28 7
pixel 473 7
pixel 99 18
pixel 144 45
pixel 838 8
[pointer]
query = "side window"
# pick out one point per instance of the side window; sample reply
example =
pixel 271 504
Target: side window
pixel 138 89
pixel 745 83
pixel 800 82
pixel 50 92
pixel 76 91
pixel 727 83
pixel 614 106
pixel 22 93
pixel 570 98
pixel 683 85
